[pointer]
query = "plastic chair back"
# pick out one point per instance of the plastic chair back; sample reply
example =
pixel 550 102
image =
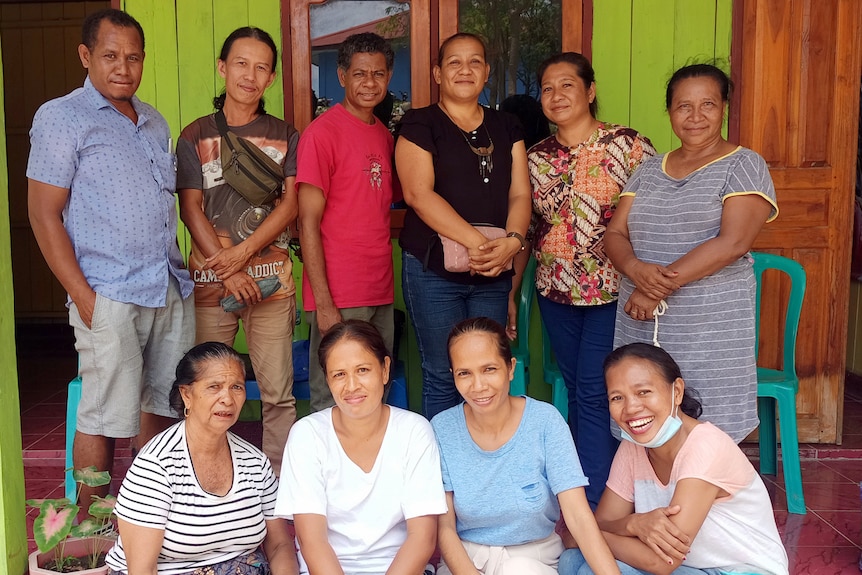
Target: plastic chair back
pixel 778 387
pixel 552 376
pixel 521 346
pixel 796 273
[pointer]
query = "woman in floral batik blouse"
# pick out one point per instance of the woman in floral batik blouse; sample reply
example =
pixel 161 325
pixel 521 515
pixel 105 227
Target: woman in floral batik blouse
pixel 577 175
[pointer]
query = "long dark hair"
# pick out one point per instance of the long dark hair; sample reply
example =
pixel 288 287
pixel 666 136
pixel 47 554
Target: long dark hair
pixel 245 32
pixel 191 365
pixel 663 363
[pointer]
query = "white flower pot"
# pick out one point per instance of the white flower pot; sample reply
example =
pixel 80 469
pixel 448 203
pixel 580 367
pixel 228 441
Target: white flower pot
pixel 74 548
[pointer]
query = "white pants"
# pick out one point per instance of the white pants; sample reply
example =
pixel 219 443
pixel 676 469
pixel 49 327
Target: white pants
pixel 535 558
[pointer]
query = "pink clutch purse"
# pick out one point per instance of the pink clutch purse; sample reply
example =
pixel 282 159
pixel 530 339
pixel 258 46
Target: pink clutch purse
pixel 455 258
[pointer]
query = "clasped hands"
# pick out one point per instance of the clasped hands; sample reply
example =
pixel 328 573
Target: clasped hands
pixel 653 283
pixel 493 257
pixel 655 530
pixel 230 265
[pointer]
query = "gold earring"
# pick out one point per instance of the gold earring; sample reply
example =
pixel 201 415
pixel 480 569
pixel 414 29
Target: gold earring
pixel 186 411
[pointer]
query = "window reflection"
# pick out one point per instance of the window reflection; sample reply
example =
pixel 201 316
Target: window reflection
pixel 520 34
pixel 333 22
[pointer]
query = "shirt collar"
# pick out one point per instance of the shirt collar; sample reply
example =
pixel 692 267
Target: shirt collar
pixel 100 102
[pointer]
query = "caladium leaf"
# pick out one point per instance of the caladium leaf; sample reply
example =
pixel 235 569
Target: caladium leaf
pixel 53 524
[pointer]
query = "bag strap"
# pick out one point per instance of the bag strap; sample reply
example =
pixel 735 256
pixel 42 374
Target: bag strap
pixel 221 122
pixel 266 163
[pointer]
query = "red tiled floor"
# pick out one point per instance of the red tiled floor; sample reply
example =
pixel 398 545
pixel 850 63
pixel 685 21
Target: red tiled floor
pixel 40 472
pixel 52 410
pixel 40 488
pixel 831 496
pixel 43 425
pixel 814 471
pixel 809 530
pixel 851 469
pixel 824 561
pixel 846 522
pixel 52 442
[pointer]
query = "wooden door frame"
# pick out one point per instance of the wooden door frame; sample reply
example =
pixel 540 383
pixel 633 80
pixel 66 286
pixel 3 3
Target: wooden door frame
pixel 430 22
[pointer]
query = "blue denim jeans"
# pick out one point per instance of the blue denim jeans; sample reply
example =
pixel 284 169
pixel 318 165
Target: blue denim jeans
pixel 581 337
pixel 435 305
pixel 572 562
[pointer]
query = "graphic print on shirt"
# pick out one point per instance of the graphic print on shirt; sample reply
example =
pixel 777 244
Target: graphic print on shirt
pixel 375 171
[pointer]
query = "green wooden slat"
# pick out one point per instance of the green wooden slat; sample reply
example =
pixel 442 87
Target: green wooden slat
pixel 196 60
pixel 160 84
pixel 723 19
pixel 228 15
pixel 652 65
pixel 166 75
pixel 13 529
pixel 694 32
pixel 612 34
pixel 723 29
pixel 142 11
pixel 694 37
pixel 266 14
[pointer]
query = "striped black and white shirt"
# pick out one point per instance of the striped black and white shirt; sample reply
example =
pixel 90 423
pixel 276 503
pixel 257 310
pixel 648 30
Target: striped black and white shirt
pixel 161 491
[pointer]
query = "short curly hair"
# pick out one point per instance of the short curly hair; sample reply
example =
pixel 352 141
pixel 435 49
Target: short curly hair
pixel 365 43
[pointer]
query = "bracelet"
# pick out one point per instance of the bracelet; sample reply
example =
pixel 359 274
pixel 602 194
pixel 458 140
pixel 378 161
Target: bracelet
pixel 518 237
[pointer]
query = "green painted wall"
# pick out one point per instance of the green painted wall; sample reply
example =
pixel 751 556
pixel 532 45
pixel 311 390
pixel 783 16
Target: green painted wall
pixel 13 530
pixel 637 45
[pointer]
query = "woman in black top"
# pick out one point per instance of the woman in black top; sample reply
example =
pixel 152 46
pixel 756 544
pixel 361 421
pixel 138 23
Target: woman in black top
pixel 460 164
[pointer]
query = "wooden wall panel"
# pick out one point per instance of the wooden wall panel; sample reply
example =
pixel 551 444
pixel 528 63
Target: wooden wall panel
pixel 817 88
pixel 637 45
pixel 799 105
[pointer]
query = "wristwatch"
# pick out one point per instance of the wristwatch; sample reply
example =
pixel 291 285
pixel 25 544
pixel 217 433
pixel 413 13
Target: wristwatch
pixel 520 238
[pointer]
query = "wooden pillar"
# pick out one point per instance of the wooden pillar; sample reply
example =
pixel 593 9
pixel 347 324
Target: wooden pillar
pixel 13 530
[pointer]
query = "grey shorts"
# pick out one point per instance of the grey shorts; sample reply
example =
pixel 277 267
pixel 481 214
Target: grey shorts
pixel 128 361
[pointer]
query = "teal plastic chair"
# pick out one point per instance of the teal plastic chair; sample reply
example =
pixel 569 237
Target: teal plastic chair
pixel 521 347
pixel 779 386
pixel 72 400
pixel 553 377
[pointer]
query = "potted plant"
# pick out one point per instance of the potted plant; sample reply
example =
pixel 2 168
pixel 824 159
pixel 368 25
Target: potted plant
pixel 64 547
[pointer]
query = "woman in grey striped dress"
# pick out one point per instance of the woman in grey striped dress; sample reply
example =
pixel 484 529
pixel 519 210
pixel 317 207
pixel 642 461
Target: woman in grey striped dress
pixel 681 234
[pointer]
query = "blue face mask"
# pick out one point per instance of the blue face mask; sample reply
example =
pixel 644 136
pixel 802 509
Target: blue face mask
pixel 668 429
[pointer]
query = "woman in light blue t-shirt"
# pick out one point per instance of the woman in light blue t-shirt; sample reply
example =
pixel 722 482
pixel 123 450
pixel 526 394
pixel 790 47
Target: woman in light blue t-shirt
pixel 509 468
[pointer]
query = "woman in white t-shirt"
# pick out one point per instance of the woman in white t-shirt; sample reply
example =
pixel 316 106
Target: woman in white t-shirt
pixel 681 497
pixel 362 479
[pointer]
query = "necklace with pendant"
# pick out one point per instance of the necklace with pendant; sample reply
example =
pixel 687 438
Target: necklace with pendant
pixel 486 162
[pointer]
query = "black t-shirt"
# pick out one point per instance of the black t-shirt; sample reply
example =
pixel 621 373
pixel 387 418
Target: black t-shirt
pixel 457 179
